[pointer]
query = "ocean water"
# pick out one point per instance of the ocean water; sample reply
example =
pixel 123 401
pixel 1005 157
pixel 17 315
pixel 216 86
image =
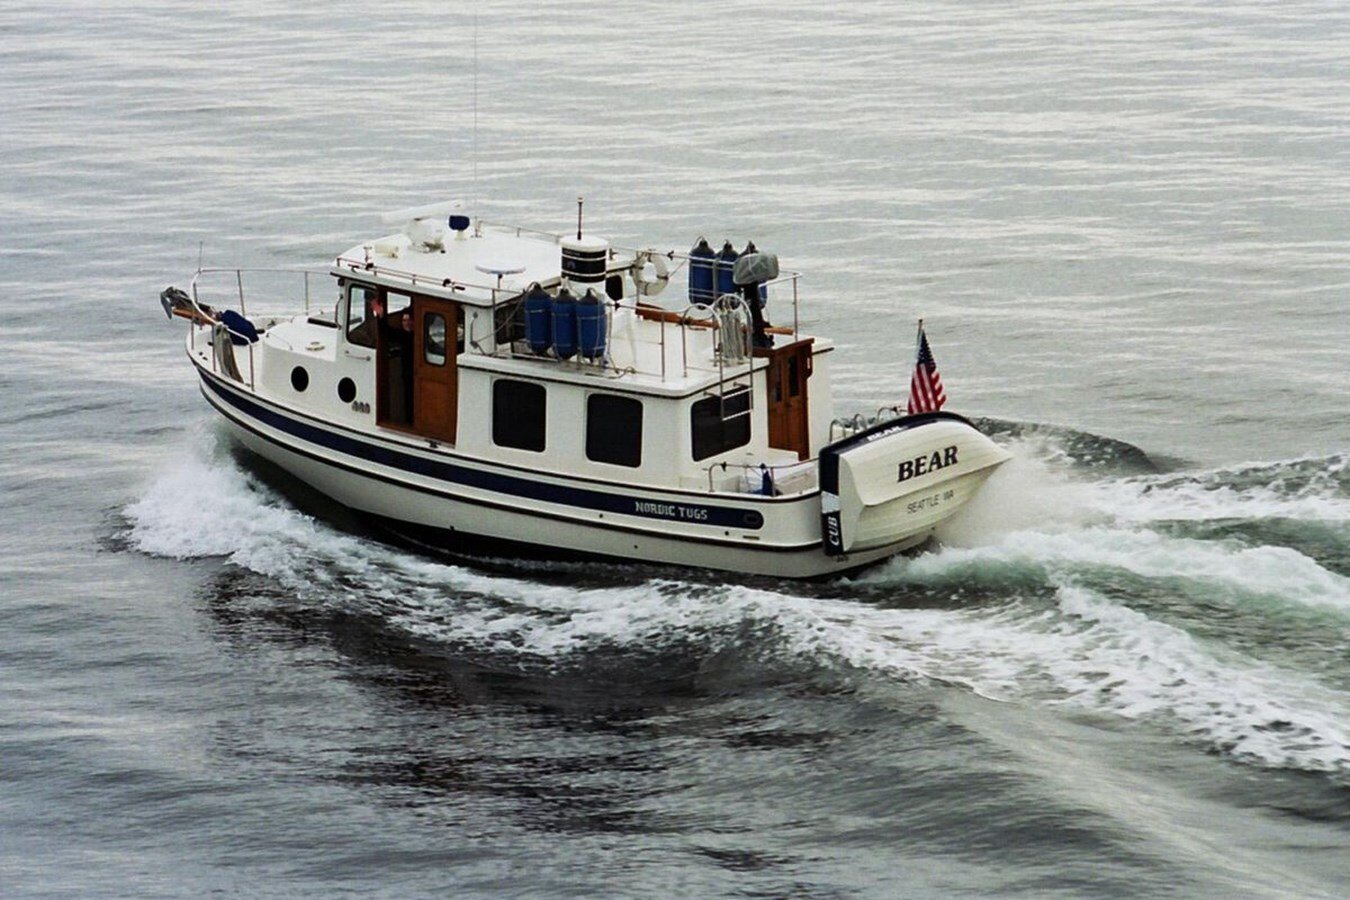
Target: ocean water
pixel 1124 672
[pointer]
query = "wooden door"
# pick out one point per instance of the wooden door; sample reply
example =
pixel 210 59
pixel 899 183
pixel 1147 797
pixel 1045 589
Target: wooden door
pixel 435 403
pixel 789 369
pixel 393 361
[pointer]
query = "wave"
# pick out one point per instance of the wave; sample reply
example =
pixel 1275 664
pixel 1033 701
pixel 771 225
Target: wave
pixel 1053 590
pixel 1067 445
pixel 1277 515
pixel 1092 653
pixel 1310 489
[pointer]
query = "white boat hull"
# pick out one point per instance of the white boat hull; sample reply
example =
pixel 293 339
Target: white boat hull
pixel 410 482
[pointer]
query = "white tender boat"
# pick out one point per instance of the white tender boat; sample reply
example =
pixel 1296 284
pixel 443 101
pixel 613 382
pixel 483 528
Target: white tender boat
pixel 485 388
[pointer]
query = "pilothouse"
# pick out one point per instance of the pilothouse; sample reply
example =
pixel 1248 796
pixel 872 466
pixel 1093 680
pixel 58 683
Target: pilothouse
pixel 487 387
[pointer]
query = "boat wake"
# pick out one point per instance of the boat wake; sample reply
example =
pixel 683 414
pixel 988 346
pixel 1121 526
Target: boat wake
pixel 1213 606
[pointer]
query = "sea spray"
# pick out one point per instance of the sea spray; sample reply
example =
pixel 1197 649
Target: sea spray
pixel 1042 631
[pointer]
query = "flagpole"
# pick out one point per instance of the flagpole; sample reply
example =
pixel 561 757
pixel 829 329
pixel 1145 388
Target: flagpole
pixel 918 349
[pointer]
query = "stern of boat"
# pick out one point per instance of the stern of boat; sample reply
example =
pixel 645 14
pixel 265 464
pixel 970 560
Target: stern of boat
pixel 893 483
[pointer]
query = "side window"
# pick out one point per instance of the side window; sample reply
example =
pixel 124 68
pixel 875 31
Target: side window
pixel 396 304
pixel 719 424
pixel 433 339
pixel 614 430
pixel 360 323
pixel 518 414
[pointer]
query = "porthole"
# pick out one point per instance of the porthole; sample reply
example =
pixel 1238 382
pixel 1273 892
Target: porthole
pixel 346 390
pixel 299 378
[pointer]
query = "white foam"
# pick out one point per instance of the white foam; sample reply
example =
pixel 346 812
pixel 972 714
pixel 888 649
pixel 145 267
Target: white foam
pixel 1034 515
pixel 1038 523
pixel 210 507
pixel 1084 651
pixel 1037 490
pixel 1029 491
pixel 1136 667
pixel 201 507
pixel 1208 496
pixel 1092 654
pixel 1233 571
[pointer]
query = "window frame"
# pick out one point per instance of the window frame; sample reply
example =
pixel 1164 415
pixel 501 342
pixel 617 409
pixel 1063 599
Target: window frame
pixel 710 433
pixel 509 423
pixel 428 356
pixel 620 436
pixel 369 293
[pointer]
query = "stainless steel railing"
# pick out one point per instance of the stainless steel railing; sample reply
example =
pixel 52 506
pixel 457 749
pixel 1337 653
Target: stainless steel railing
pixel 206 312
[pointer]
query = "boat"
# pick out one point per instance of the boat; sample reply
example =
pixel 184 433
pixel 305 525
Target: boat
pixel 485 388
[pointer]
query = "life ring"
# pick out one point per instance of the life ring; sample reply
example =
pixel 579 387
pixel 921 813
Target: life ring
pixel 644 286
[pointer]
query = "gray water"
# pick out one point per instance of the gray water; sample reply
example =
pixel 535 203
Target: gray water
pixel 1125 672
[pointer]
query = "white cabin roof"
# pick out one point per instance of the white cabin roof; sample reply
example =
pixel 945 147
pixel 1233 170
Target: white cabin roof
pixel 465 267
pixel 489 264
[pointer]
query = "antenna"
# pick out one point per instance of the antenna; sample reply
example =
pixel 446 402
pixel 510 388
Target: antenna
pixel 474 154
pixel 580 200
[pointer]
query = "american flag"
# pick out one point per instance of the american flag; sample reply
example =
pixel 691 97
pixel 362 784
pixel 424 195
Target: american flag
pixel 925 387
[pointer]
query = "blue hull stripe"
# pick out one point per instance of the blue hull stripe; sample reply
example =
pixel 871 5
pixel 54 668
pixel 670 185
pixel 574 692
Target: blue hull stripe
pixel 510 485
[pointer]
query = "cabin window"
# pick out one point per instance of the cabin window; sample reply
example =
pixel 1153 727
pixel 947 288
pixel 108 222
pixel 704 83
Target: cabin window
pixel 360 322
pixel 518 414
pixel 719 424
pixel 433 339
pixel 614 430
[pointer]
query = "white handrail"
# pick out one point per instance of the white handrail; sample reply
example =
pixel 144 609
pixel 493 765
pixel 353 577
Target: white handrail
pixel 786 276
pixel 757 468
pixel 239 273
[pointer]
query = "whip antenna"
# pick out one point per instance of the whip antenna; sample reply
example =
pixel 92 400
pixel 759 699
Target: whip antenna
pixel 474 153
